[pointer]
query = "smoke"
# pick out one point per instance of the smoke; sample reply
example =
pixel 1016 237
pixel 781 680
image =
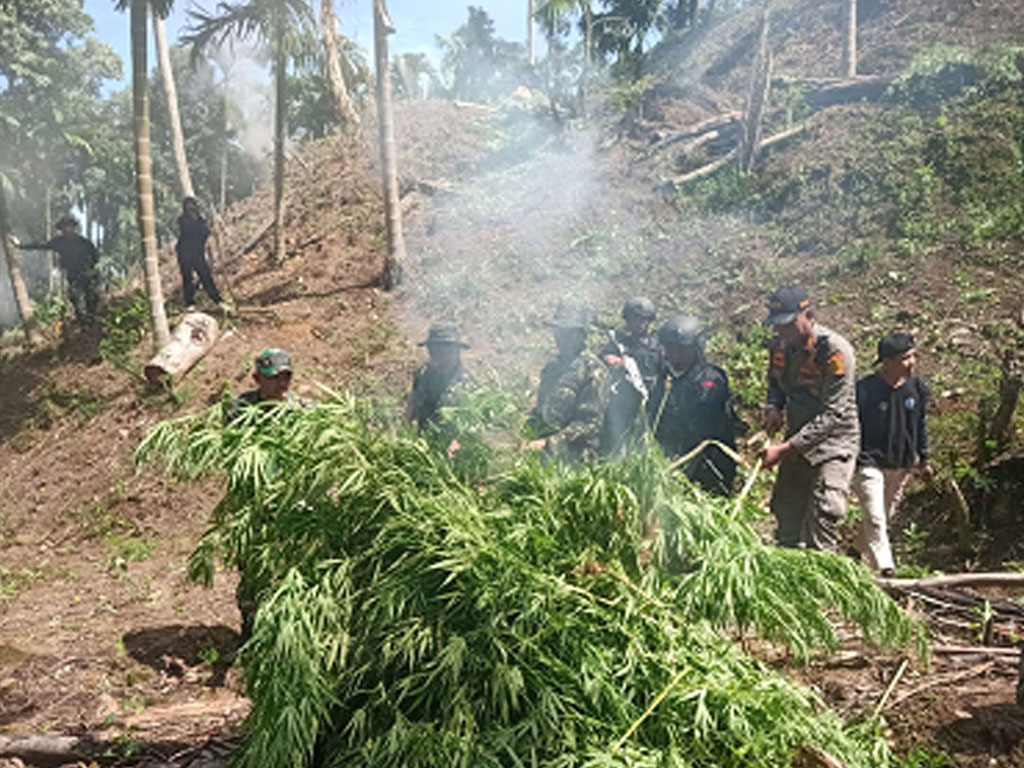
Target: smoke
pixel 250 97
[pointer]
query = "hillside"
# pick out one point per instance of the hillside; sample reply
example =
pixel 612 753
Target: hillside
pixel 904 211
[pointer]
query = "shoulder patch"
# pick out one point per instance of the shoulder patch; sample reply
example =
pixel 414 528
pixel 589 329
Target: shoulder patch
pixel 836 364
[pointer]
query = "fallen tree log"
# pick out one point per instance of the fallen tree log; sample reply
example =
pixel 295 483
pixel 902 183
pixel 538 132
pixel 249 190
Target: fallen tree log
pixel 191 340
pixel 710 168
pixel 46 749
pixel 996 579
pixel 827 92
pixel 980 650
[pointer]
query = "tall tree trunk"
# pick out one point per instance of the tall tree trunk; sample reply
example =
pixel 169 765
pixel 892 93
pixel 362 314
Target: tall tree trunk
pixel 33 337
pixel 757 98
pixel 144 174
pixel 382 27
pixel 531 36
pixel 54 277
pixel 850 38
pixel 163 55
pixel 280 106
pixel 343 108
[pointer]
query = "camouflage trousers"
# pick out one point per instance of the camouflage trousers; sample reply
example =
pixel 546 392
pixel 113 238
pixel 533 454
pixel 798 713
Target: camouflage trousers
pixel 83 291
pixel 809 502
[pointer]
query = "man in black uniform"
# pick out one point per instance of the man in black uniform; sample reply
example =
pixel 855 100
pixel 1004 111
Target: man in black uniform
pixel 634 359
pixel 193 232
pixel 77 257
pixel 691 403
pixel 436 383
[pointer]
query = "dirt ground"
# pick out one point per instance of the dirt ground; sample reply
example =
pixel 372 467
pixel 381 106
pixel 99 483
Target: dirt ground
pixel 103 639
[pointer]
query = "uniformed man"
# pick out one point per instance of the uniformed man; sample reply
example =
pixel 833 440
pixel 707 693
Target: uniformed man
pixel 572 396
pixel 437 383
pixel 77 257
pixel 193 232
pixel 811 384
pixel 690 403
pixel 272 372
pixel 633 358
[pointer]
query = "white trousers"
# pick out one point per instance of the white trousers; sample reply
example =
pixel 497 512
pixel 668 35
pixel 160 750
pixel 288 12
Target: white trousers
pixel 878 491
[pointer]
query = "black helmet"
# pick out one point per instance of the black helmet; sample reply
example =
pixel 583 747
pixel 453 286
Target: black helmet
pixel 640 307
pixel 680 330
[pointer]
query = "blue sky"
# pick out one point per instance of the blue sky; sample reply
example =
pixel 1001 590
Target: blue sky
pixel 417 21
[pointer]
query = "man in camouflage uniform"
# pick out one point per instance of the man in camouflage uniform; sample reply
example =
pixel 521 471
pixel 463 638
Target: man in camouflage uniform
pixel 573 392
pixel 690 403
pixel 272 372
pixel 812 380
pixel 436 384
pixel 633 358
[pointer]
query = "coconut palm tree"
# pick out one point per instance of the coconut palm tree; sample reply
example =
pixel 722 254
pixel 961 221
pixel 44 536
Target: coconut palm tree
pixel 283 26
pixel 138 15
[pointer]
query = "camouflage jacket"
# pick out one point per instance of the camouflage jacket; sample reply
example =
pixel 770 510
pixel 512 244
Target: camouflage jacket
pixel 571 400
pixel 816 384
pixel 433 390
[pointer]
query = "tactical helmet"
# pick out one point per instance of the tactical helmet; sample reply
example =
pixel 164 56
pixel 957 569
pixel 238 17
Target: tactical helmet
pixel 640 307
pixel 570 313
pixel 680 330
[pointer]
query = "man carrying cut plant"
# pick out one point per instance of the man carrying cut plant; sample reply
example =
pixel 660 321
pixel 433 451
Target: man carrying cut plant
pixel 436 384
pixel 572 396
pixel 690 403
pixel 633 358
pixel 811 381
pixel 892 404
pixel 77 256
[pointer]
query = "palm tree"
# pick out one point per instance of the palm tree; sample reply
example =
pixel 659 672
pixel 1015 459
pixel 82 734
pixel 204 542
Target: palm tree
pixel 163 57
pixel 138 10
pixel 281 25
pixel 382 27
pixel 344 111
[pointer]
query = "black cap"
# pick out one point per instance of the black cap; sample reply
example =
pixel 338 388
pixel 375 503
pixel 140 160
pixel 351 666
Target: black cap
pixel 66 221
pixel 894 345
pixel 786 303
pixel 570 313
pixel 443 333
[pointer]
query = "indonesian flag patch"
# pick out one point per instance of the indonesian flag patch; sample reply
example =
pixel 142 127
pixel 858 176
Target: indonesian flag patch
pixel 836 364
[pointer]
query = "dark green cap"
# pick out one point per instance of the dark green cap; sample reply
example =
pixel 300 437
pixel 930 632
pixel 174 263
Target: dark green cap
pixel 271 362
pixel 443 333
pixel 570 313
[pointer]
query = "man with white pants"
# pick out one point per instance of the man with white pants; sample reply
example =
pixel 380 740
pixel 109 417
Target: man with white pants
pixel 892 408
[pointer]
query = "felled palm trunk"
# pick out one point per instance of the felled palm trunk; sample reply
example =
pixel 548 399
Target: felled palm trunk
pixel 191 340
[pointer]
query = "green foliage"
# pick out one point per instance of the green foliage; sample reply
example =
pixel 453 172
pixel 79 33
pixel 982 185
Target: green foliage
pixel 48 311
pixel 13 580
pixel 408 617
pixel 942 72
pixel 924 757
pixel 745 357
pixel 124 325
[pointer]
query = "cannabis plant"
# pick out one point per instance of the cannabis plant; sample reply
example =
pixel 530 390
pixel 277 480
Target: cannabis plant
pixel 412 615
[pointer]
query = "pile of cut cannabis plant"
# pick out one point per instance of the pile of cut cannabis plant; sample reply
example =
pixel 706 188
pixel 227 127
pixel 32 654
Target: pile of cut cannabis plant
pixel 411 618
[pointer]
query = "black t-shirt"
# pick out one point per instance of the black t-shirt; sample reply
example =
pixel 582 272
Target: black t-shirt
pixel 76 254
pixel 192 234
pixel 893 428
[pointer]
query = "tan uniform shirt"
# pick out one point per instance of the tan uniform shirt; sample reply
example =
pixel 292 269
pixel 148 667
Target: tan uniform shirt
pixel 816 386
